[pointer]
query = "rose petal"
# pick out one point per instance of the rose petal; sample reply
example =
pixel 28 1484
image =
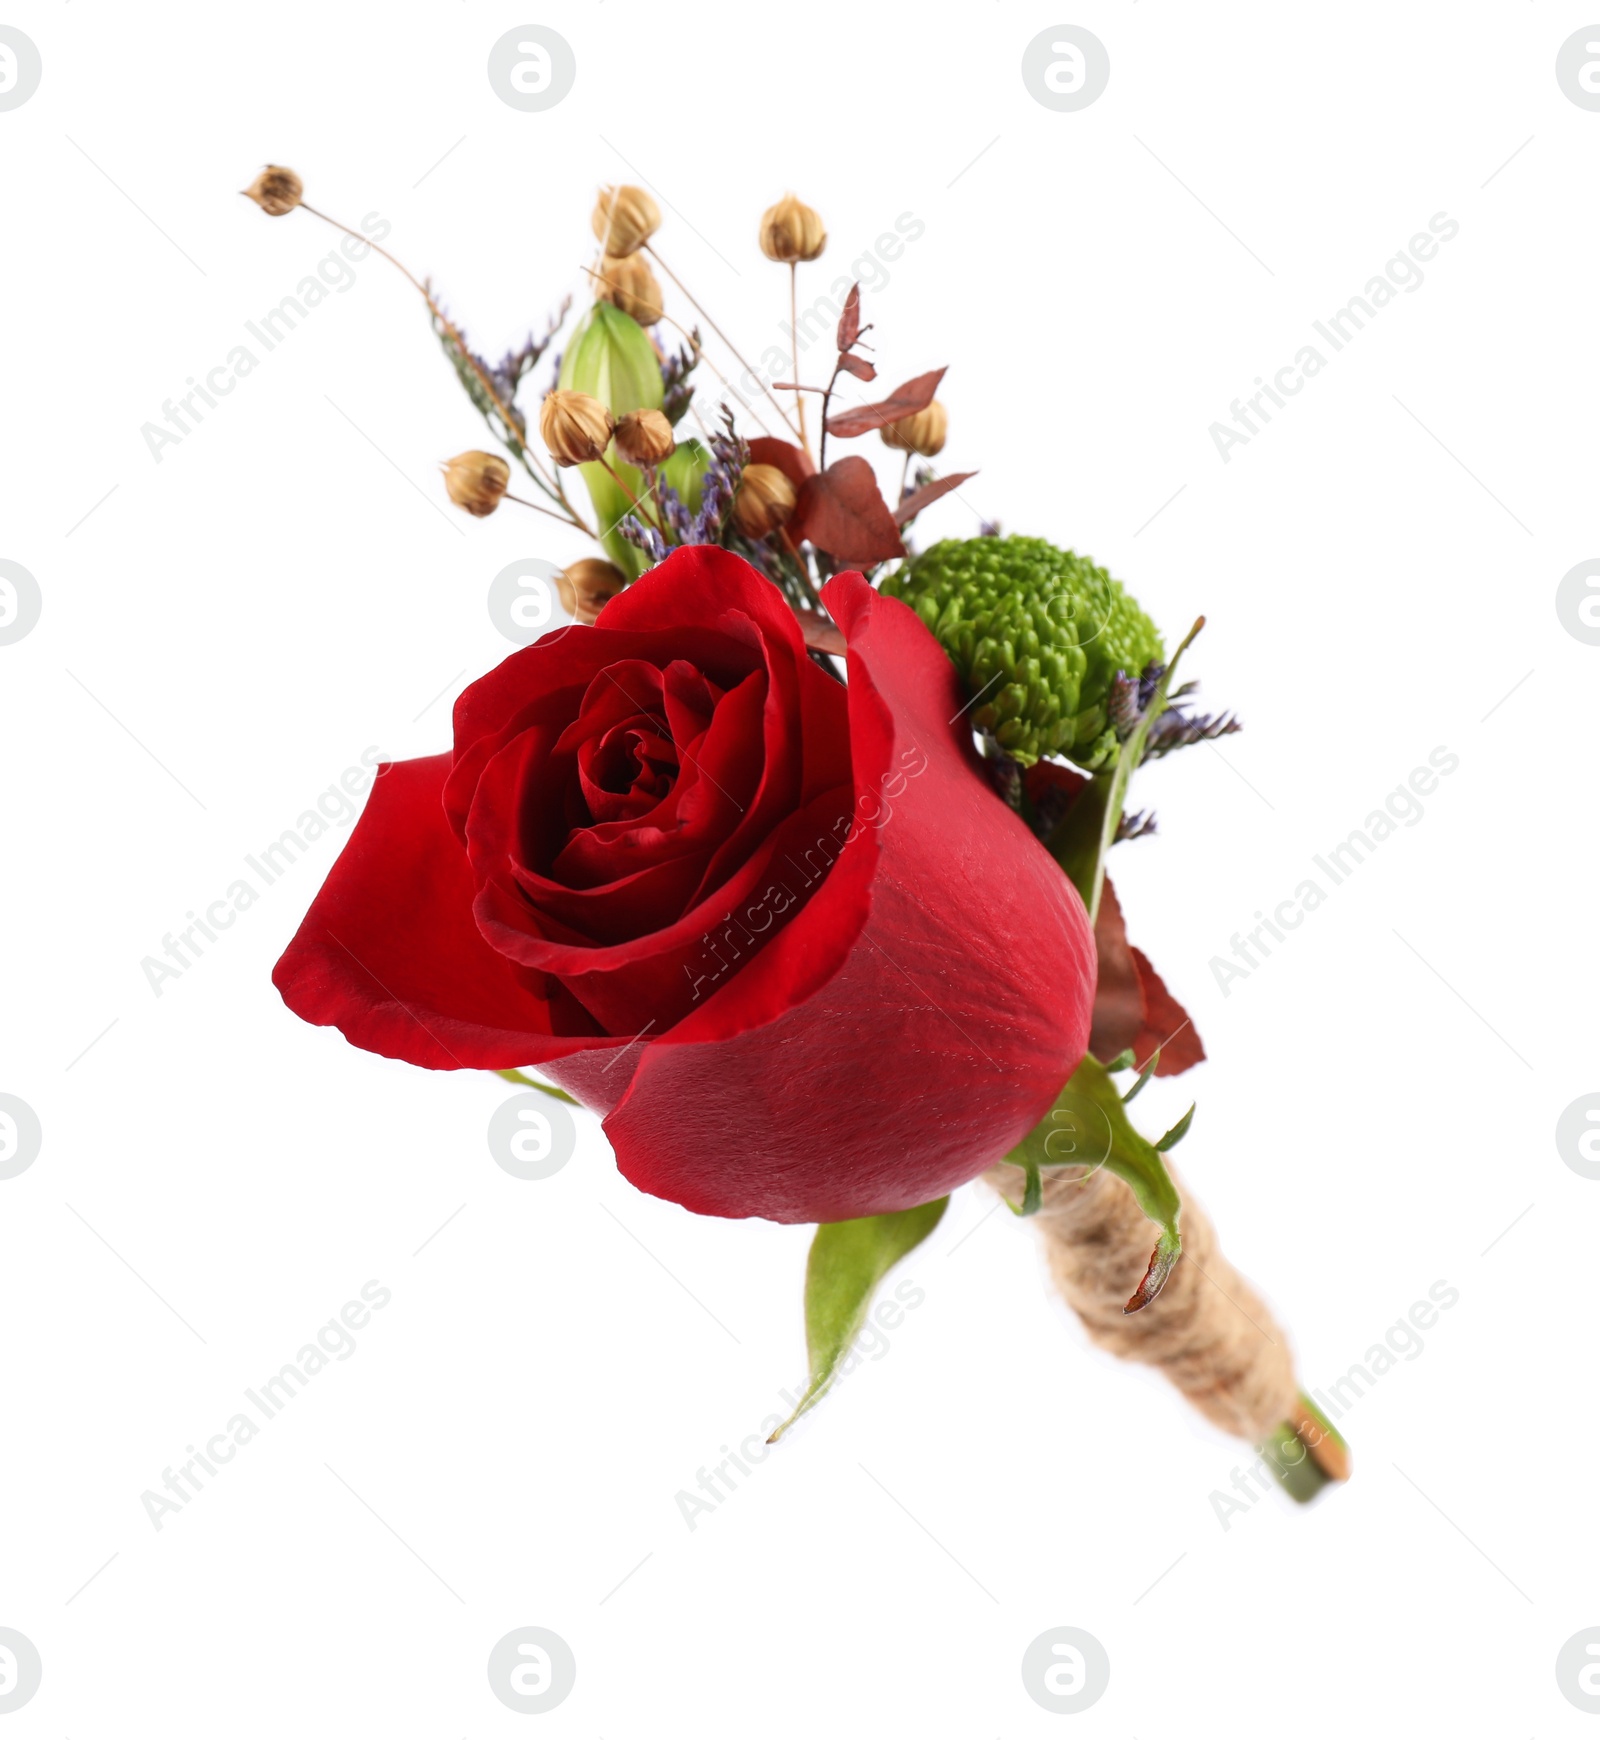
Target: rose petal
pixel 915 1020
pixel 389 953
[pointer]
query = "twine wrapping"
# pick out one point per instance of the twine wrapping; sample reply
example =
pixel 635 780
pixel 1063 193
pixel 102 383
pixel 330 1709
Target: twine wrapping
pixel 1208 1330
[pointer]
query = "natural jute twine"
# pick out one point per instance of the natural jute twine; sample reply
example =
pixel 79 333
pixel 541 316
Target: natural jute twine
pixel 1208 1330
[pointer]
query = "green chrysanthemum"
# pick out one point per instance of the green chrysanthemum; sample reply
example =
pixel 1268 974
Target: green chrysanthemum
pixel 1037 633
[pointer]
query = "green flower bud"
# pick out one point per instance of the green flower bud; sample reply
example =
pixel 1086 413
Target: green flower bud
pixel 686 469
pixel 1038 634
pixel 612 359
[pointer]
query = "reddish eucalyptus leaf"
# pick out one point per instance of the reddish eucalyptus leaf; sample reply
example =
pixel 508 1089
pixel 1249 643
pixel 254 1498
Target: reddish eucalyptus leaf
pixel 915 395
pixel 794 462
pixel 858 366
pixel 1166 1023
pixel 841 511
pixel 821 633
pixel 850 319
pixel 1118 1000
pixel 913 504
pixel 1133 1010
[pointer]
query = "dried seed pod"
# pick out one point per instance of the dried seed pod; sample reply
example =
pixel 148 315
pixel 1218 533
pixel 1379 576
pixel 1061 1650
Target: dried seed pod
pixel 923 432
pixel 644 438
pixel 476 481
pixel 276 190
pixel 624 219
pixel 763 501
pixel 791 230
pixel 628 282
pixel 586 587
pixel 575 427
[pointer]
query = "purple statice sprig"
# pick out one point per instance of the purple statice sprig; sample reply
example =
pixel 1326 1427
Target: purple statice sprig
pixel 730 454
pixel 1175 727
pixel 634 531
pixel 509 373
pixel 676 391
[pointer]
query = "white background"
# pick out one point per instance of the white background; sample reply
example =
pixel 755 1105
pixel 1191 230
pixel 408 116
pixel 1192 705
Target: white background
pixel 1378 568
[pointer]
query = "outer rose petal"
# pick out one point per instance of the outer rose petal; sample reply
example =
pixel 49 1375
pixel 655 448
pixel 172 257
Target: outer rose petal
pixel 800 1094
pixel 389 953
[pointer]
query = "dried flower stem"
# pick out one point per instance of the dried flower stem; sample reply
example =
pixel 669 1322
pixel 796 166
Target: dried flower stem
pixel 788 423
pixel 794 350
pixel 522 501
pixel 809 595
pixel 638 506
pixel 551 485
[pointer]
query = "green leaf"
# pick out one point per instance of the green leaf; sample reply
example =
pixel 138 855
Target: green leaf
pixel 1089 829
pixel 544 1087
pixel 1032 1189
pixel 1123 1060
pixel 684 470
pixel 1144 1074
pixel 1176 1134
pixel 1088 1126
pixel 848 1260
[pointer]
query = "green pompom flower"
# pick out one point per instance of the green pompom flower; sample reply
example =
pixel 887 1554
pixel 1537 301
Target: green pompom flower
pixel 1038 635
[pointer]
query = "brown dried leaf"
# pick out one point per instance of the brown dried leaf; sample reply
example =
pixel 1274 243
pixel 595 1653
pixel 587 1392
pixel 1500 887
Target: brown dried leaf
pixel 858 366
pixel 841 511
pixel 915 395
pixel 913 504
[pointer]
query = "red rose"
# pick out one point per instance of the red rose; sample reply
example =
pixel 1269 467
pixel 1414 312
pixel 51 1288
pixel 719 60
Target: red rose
pixel 780 932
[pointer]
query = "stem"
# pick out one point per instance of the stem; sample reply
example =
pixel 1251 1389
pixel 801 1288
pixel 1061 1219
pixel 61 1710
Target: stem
pixel 827 399
pixel 522 501
pixel 550 484
pixel 1306 1453
pixel 905 472
pixel 638 506
pixel 760 381
pixel 794 350
pixel 1089 829
pixel 809 593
